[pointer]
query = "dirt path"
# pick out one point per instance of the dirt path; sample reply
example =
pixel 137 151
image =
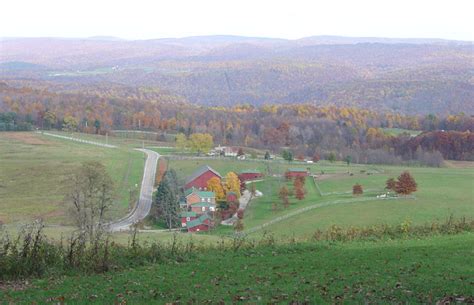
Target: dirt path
pixel 243 202
pixel 319 205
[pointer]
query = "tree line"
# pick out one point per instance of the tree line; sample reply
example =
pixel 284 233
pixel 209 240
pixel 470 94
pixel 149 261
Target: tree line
pixel 308 129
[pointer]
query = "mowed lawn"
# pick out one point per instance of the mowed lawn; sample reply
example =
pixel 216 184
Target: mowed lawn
pixel 441 192
pixel 412 271
pixel 33 169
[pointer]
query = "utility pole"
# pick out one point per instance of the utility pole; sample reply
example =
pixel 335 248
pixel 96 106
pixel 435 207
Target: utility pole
pixel 106 138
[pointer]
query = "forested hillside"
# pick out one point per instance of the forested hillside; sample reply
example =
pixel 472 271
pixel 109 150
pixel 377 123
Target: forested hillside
pixel 309 130
pixel 385 75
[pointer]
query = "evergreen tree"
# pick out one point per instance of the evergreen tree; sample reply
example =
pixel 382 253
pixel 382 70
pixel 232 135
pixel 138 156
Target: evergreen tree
pixel 166 201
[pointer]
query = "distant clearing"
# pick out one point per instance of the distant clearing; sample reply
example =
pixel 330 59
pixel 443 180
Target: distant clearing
pixel 27 138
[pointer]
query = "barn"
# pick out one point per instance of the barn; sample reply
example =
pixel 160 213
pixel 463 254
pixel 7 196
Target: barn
pixel 200 178
pixel 249 175
pixel 296 172
pixel 202 223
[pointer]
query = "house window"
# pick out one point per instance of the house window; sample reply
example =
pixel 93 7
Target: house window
pixel 203 209
pixel 188 218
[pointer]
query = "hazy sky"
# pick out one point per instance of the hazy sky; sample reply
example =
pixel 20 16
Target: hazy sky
pixel 144 19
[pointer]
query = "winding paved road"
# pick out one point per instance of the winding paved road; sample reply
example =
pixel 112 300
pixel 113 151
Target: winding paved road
pixel 141 210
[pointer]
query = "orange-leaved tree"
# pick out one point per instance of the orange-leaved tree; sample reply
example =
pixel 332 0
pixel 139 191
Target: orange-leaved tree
pixel 357 189
pixel 406 184
pixel 390 184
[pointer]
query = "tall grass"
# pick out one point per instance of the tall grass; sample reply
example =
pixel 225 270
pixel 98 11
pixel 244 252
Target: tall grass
pixel 32 254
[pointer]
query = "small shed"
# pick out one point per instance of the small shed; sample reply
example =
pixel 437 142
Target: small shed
pixel 231 197
pixel 202 223
pixel 187 217
pixel 249 175
pixel 296 172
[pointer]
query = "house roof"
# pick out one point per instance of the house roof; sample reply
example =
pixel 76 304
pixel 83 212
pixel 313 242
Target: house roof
pixel 188 214
pixel 206 194
pixel 250 171
pixel 189 191
pixel 201 171
pixel 297 170
pixel 203 204
pixel 198 221
pixel 199 193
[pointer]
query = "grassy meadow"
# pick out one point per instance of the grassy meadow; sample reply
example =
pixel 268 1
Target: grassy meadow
pixel 33 168
pixel 412 271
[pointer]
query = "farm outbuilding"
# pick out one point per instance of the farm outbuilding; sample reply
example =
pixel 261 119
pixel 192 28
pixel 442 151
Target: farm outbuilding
pixel 187 217
pixel 202 223
pixel 296 172
pixel 248 175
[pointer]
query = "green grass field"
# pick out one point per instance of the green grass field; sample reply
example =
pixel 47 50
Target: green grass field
pixel 398 131
pixel 41 163
pixel 33 168
pixel 409 271
pixel 441 192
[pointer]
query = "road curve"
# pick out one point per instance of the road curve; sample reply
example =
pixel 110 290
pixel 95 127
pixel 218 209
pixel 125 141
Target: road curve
pixel 143 206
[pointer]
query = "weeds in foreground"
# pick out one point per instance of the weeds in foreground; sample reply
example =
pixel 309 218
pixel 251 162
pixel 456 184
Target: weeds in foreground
pixel 32 254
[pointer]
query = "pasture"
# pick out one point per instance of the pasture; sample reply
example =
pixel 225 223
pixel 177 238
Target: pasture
pixel 33 168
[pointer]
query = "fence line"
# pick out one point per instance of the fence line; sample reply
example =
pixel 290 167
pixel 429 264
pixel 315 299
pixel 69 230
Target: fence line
pixel 300 211
pixel 77 140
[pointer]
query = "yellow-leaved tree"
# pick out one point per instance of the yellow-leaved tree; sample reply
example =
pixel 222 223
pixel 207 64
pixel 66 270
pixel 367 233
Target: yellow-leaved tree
pixel 232 183
pixel 181 142
pixel 201 142
pixel 214 185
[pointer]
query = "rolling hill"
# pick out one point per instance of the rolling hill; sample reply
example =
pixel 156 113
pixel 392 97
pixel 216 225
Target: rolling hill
pixel 416 76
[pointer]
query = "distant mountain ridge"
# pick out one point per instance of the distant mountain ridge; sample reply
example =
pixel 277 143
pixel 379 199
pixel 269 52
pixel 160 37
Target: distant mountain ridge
pixel 388 74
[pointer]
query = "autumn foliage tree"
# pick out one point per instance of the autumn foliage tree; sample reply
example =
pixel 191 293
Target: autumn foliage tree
pixel 232 183
pixel 357 189
pixel 201 142
pixel 405 184
pixel 316 157
pixel 283 195
pixel 214 185
pixel 181 142
pixel 390 184
pixel 298 187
